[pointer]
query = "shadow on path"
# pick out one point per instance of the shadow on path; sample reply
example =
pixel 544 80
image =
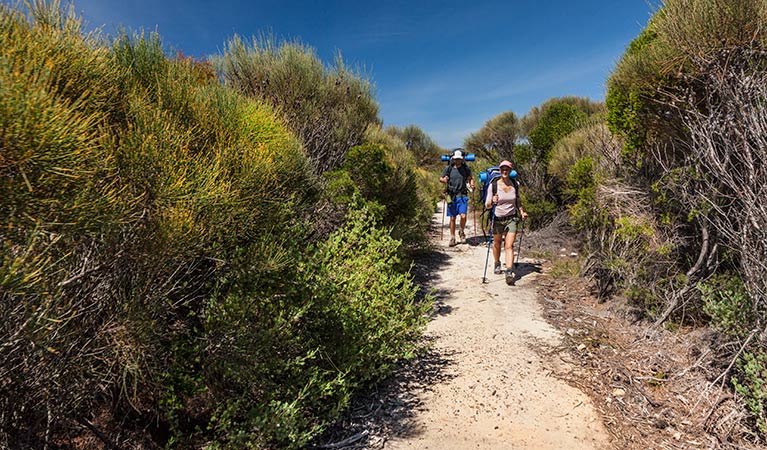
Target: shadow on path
pixel 388 408
pixel 525 268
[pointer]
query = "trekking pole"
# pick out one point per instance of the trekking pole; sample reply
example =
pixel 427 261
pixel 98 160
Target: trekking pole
pixel 474 211
pixel 519 250
pixel 444 212
pixel 489 243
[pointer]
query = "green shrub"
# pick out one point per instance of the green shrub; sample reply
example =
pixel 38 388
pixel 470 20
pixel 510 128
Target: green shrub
pixel 384 172
pixel 498 136
pixel 425 151
pixel 726 301
pixel 555 122
pixel 329 109
pixel 539 208
pixel 751 385
pixel 581 179
pixel 348 316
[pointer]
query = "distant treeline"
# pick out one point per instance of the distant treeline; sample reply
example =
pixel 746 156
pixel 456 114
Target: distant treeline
pixel 195 253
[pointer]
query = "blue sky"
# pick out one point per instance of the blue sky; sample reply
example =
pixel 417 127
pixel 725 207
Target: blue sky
pixel 445 66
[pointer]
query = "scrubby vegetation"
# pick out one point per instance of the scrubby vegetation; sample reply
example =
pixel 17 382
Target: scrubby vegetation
pixel 666 188
pixel 528 142
pixel 666 182
pixel 162 270
pixel 328 108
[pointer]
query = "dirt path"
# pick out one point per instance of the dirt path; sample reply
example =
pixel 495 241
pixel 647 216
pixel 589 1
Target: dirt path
pixel 499 392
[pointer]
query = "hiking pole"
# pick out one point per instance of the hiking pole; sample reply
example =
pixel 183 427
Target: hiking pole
pixel 519 250
pixel 489 242
pixel 474 210
pixel 444 212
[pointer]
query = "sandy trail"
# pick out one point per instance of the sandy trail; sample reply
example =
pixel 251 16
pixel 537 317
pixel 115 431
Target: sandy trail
pixel 501 392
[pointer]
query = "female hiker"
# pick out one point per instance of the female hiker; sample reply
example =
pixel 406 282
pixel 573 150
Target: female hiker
pixel 504 194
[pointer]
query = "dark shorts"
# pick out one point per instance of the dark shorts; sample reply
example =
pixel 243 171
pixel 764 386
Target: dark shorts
pixel 458 205
pixel 502 225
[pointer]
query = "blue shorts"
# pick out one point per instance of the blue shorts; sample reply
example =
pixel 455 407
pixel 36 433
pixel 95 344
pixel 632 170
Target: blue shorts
pixel 459 205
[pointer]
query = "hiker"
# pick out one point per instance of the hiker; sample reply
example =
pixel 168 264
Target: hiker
pixel 508 210
pixel 456 176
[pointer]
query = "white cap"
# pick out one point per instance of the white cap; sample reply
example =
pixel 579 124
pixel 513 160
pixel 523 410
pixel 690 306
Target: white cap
pixel 458 155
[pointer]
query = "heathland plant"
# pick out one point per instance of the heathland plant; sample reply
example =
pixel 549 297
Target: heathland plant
pixel 425 151
pixel 688 100
pixel 155 278
pixel 328 108
pixel 497 137
pixel 384 173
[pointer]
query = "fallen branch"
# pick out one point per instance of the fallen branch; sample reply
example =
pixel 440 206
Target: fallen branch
pixel 347 441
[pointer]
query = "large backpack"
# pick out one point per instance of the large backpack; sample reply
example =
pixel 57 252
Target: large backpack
pixel 486 178
pixel 489 179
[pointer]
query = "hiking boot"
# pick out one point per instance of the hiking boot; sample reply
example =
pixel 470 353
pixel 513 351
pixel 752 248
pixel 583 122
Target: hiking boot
pixel 452 242
pixel 510 277
pixel 462 235
pixel 497 269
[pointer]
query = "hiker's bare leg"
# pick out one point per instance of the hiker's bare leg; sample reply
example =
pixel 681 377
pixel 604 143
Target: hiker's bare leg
pixel 510 238
pixel 463 221
pixel 497 247
pixel 452 226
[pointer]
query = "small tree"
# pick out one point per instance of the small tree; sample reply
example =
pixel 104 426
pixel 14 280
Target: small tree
pixel 328 108
pixel 425 151
pixel 499 134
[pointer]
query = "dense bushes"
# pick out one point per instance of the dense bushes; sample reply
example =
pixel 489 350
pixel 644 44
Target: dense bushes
pixel 544 127
pixel 687 98
pixel 155 277
pixel 328 108
pixel 382 175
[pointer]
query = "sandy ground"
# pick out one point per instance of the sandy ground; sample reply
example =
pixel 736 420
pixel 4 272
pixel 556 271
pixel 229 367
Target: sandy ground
pixel 500 390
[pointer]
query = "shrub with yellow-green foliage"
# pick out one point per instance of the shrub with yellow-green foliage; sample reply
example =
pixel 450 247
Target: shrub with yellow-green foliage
pixel 328 108
pixel 545 126
pixel 154 278
pixel 384 174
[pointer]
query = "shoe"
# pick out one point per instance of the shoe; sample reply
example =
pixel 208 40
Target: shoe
pixel 452 242
pixel 510 277
pixel 462 236
pixel 497 269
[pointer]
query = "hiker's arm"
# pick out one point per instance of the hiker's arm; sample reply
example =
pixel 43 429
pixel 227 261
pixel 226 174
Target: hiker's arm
pixel 471 181
pixel 489 199
pixel 521 209
pixel 443 178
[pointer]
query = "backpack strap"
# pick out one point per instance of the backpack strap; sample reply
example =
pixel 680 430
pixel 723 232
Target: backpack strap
pixel 514 183
pixel 463 173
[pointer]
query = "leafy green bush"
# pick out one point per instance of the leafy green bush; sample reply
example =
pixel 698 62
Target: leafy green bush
pixel 298 354
pixel 154 266
pixel 556 121
pixel 384 173
pixel 726 301
pixel 497 137
pixel 751 385
pixel 425 151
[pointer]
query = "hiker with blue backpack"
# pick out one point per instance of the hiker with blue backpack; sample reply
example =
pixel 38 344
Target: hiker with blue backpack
pixel 503 198
pixel 458 180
